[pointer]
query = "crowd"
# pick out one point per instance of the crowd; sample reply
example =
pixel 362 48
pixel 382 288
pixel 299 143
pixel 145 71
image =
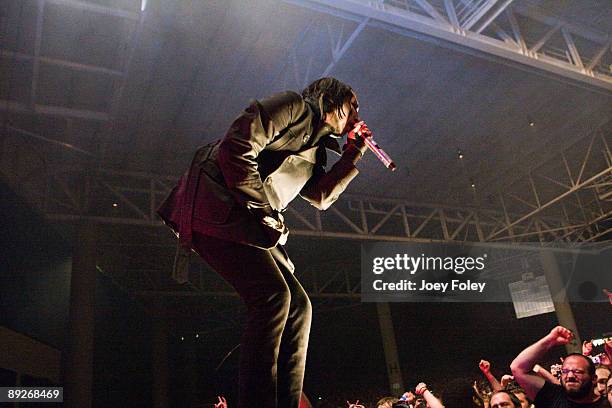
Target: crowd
pixel 580 380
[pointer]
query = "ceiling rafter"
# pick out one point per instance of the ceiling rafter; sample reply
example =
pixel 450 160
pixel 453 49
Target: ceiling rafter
pixel 527 52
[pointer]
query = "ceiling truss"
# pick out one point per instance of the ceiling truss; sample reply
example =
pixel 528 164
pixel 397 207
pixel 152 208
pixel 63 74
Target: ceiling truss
pixel 483 25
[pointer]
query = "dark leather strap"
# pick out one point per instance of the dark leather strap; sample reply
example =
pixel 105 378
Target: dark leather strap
pixel 188 203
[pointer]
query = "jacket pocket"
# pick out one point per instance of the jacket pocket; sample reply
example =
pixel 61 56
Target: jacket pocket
pixel 214 201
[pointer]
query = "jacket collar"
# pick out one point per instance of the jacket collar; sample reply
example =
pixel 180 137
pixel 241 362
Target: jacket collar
pixel 323 132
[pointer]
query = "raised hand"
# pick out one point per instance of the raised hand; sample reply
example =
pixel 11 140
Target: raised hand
pixel 505 380
pixel 559 336
pixel 421 388
pixel 587 348
pixel 222 403
pixel 604 359
pixel 355 405
pixel 609 294
pixel 484 366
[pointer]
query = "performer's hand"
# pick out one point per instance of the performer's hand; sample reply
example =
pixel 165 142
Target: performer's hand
pixel 559 336
pixel 222 403
pixel 357 136
pixel 276 222
pixel 484 366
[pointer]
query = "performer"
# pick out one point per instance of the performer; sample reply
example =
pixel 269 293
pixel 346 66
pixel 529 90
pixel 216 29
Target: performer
pixel 227 208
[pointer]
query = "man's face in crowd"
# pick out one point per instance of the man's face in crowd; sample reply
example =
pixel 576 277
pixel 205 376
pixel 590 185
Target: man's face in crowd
pixel 341 124
pixel 603 374
pixel 523 398
pixel 501 400
pixel 609 389
pixel 577 382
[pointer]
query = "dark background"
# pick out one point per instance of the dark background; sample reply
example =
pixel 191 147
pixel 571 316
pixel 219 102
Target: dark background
pixel 439 344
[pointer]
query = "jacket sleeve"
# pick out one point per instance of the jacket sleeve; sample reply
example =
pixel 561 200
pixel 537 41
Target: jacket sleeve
pixel 324 188
pixel 248 135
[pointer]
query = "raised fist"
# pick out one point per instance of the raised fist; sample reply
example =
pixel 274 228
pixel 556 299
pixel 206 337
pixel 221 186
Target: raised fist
pixel 484 366
pixel 559 336
pixel 421 388
pixel 587 348
pixel 505 380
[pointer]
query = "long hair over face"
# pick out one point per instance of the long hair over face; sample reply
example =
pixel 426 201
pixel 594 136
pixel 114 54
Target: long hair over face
pixel 329 93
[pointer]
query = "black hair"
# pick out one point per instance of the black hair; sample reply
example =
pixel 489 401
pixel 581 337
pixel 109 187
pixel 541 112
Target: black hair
pixel 329 94
pixel 591 365
pixel 513 398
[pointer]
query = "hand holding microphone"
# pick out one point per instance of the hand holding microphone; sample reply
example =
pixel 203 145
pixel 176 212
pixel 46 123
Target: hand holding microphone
pixel 361 129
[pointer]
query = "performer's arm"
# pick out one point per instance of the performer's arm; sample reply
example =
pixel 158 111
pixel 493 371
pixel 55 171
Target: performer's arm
pixel 522 366
pixel 248 135
pixel 324 188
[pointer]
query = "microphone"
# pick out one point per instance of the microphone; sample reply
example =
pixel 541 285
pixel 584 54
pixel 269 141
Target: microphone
pixel 375 148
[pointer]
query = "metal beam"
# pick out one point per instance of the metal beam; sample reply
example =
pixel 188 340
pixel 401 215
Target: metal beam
pixel 40 13
pixel 571 46
pixel 482 26
pixel 339 52
pixel 480 11
pixel 575 188
pixel 61 63
pixel 96 8
pixel 452 13
pixel 51 110
pixel 597 57
pixel 390 16
pixel 429 9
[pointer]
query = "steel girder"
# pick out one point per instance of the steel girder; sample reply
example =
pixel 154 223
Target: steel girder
pixel 482 25
pixel 37 59
pixel 130 198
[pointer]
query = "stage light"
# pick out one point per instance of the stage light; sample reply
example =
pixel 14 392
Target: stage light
pixel 182 338
pixel 115 205
pixel 472 184
pixel 197 335
pixel 530 121
pixel 459 154
pixel 143 5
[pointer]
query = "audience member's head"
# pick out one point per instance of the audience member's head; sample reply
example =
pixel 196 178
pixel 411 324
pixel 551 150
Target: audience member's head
pixel 603 374
pixel 386 402
pixel 520 395
pixel 504 399
pixel 578 376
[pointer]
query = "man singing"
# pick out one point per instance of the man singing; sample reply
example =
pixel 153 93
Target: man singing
pixel 227 208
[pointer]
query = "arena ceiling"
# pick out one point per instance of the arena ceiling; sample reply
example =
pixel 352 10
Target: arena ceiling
pixel 103 102
pixel 522 89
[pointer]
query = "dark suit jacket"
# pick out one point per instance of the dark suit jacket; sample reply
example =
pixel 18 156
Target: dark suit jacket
pixel 275 150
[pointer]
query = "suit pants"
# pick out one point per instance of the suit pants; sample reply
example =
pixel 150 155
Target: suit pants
pixel 279 314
